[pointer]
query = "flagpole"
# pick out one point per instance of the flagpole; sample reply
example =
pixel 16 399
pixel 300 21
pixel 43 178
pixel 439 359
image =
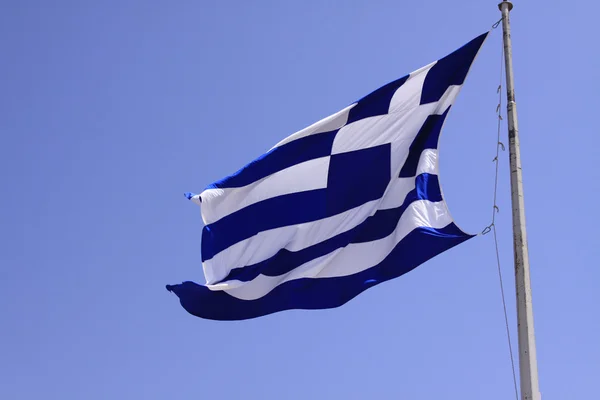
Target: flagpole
pixel 527 352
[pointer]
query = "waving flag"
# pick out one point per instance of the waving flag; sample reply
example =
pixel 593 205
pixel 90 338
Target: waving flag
pixel 334 209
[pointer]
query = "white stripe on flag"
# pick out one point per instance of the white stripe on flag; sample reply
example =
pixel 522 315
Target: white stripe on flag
pixel 309 175
pixel 409 95
pixel 327 124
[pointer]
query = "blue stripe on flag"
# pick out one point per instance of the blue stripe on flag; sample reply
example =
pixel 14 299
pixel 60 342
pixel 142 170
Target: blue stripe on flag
pixel 427 138
pixel 450 70
pixel 309 293
pixel 280 158
pixel 384 222
pixel 375 103
pixel 264 215
pixel 378 226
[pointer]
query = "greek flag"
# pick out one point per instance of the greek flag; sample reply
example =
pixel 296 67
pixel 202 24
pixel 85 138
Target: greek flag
pixel 334 209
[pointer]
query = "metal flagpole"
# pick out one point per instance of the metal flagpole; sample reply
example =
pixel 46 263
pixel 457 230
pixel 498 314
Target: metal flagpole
pixel 527 353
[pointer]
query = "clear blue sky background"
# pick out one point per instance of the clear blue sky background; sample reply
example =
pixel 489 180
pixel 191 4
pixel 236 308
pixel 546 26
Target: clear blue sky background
pixel 110 110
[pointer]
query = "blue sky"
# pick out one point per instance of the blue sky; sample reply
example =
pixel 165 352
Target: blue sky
pixel 110 110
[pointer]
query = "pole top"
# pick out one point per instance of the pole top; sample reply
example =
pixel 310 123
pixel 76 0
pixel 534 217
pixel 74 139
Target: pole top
pixel 508 3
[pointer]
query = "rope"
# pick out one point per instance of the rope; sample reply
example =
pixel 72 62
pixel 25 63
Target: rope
pixel 495 210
